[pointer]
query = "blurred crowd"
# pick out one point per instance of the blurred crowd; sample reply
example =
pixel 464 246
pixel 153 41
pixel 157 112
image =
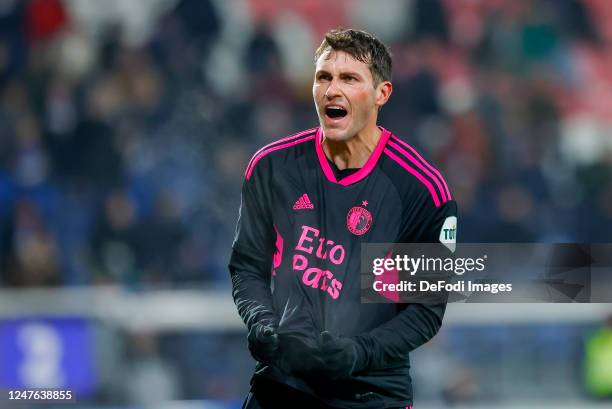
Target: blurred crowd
pixel 125 127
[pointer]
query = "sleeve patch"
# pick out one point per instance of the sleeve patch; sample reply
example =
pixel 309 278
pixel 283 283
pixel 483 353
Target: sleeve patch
pixel 448 233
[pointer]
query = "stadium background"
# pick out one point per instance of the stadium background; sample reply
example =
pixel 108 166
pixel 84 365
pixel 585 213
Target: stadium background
pixel 125 127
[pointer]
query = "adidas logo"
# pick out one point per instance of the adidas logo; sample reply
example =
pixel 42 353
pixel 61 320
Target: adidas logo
pixel 303 203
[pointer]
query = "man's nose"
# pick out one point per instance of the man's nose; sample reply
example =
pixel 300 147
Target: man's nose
pixel 332 90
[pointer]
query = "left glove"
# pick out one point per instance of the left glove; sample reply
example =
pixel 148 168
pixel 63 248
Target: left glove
pixel 342 356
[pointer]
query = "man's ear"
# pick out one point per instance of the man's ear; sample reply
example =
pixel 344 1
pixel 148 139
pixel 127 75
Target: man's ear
pixel 383 92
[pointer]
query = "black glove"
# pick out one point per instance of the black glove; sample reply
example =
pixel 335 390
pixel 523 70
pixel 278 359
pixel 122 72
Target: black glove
pixel 299 355
pixel 298 333
pixel 298 340
pixel 341 356
pixel 263 342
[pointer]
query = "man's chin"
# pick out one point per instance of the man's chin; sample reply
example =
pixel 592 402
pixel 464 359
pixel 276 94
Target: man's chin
pixel 335 134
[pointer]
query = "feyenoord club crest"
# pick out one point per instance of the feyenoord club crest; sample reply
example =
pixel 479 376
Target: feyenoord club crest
pixel 359 220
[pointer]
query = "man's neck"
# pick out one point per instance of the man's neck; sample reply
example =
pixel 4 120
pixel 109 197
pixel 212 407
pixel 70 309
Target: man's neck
pixel 355 152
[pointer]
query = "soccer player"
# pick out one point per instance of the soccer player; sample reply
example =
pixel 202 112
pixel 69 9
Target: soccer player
pixel 309 201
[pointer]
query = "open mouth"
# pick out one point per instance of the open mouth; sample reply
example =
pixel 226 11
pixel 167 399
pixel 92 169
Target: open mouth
pixel 335 112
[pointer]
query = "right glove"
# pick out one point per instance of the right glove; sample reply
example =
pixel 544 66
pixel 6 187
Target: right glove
pixel 263 342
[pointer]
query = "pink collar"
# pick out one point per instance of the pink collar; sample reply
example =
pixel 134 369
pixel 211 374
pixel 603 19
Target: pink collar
pixel 361 173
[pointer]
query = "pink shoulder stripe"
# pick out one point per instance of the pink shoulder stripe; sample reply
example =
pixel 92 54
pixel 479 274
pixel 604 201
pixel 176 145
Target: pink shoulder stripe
pixel 434 170
pixel 285 139
pixel 261 154
pixel 416 174
pixel 418 164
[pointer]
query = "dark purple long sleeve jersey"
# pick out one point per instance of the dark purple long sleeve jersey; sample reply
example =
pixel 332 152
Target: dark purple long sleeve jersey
pixel 300 231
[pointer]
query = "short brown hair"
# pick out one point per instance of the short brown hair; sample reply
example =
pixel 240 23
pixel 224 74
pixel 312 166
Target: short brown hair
pixel 363 47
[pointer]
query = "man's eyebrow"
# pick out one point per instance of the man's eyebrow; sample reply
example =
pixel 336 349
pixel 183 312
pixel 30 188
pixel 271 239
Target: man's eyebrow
pixel 351 73
pixel 342 73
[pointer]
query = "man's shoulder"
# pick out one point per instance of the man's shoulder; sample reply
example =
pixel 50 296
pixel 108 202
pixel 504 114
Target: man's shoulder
pixel 410 171
pixel 281 149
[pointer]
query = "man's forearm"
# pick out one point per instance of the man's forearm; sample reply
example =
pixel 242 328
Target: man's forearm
pixel 251 290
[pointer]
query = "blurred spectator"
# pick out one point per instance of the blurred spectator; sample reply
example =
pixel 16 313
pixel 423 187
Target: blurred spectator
pixel 117 240
pixel 598 362
pixel 200 20
pixel 262 53
pixel 161 239
pixel 34 251
pixel 45 19
pixel 430 20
